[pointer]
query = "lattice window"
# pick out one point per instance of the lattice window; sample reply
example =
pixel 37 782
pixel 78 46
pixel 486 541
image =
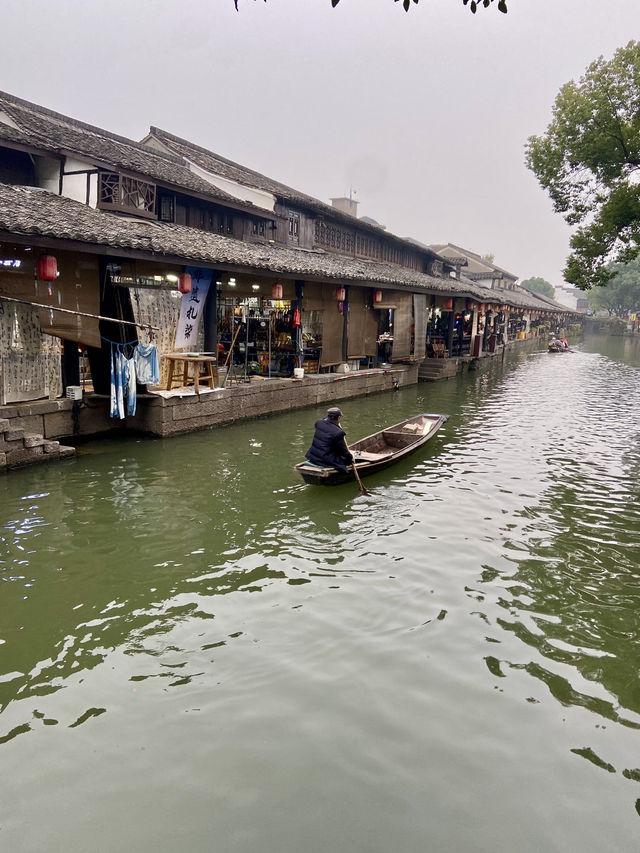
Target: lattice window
pixel 129 195
pixel 339 239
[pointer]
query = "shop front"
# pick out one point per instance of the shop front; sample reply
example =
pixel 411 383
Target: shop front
pixel 339 326
pixel 259 326
pixel 401 325
pixel 49 310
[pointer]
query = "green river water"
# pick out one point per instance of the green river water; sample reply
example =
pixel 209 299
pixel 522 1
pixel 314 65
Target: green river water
pixel 198 652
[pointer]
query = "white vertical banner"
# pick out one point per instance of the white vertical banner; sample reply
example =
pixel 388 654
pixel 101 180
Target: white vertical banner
pixel 192 308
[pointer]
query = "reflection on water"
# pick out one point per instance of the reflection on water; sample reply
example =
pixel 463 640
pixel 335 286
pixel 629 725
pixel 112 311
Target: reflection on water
pixel 259 654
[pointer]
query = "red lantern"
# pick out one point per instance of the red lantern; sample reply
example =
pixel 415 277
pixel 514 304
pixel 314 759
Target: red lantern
pixel 377 296
pixel 184 283
pixel 503 307
pixel 47 268
pixel 341 294
pixel 469 304
pixel 480 307
pixel 276 291
pixel 448 304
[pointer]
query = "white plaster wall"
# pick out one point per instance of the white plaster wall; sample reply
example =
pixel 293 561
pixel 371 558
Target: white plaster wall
pixel 75 186
pixel 93 190
pixel 260 198
pixel 48 174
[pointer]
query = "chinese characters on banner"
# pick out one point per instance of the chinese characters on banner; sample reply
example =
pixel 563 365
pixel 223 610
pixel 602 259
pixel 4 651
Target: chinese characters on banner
pixel 192 308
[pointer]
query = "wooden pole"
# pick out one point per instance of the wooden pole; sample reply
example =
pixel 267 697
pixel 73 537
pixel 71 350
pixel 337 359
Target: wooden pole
pixel 79 313
pixel 363 491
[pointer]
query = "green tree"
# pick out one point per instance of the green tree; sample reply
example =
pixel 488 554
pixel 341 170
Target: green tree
pixel 621 295
pixel 539 285
pixel 474 5
pixel 588 161
pixel 489 257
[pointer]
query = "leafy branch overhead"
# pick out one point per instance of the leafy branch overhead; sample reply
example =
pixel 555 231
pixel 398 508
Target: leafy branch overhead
pixel 588 160
pixel 474 5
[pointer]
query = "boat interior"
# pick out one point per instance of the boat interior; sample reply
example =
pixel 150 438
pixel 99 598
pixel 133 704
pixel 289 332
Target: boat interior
pixel 391 440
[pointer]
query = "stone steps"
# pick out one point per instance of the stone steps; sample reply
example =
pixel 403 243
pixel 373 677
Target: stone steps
pixel 19 448
pixel 433 369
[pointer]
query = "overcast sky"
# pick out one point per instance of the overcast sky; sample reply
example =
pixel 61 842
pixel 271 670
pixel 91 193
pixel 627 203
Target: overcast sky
pixel 424 115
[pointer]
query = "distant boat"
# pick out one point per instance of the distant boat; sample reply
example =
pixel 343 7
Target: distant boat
pixel 558 346
pixel 377 451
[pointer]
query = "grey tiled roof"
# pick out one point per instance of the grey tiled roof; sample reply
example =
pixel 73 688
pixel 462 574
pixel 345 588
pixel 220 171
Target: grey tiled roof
pixel 213 162
pixel 30 212
pixel 477 265
pixel 54 133
pixel 34 213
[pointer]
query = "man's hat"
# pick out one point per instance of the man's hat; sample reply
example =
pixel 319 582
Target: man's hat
pixel 334 413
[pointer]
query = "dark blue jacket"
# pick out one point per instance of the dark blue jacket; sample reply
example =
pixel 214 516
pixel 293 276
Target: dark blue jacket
pixel 329 447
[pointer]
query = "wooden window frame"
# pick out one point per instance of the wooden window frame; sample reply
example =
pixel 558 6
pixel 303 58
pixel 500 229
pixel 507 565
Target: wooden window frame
pixel 117 192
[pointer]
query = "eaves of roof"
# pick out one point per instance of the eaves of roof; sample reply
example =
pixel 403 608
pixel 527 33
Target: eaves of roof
pixel 52 133
pixel 27 213
pixel 473 257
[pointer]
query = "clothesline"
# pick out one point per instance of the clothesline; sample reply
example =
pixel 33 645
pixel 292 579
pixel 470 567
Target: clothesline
pixel 79 313
pixel 119 343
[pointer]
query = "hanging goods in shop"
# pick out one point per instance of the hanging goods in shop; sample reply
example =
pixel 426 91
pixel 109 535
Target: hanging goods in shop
pixel 47 268
pixel 276 291
pixel 184 283
pixel 341 294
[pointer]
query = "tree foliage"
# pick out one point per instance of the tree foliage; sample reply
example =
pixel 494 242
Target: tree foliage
pixel 473 5
pixel 588 160
pixel 539 285
pixel 621 295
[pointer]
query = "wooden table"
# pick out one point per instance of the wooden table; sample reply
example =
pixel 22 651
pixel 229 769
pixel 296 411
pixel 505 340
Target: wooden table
pixel 205 370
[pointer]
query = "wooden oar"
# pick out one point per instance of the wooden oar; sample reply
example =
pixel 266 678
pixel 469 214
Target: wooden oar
pixel 363 491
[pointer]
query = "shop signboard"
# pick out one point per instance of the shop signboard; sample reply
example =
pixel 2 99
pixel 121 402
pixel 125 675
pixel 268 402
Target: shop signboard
pixel 192 308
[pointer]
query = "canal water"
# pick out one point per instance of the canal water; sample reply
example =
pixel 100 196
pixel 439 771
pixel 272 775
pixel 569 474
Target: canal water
pixel 198 652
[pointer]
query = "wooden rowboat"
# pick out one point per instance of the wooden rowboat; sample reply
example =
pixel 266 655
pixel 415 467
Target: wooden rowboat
pixel 377 451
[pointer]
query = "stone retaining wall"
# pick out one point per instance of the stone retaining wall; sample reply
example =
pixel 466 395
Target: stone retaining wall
pixel 165 416
pixel 19 447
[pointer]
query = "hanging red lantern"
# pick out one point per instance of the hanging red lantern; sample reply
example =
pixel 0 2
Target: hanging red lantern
pixel 276 291
pixel 448 304
pixel 341 294
pixel 47 268
pixel 469 304
pixel 377 296
pixel 503 307
pixel 480 307
pixel 184 283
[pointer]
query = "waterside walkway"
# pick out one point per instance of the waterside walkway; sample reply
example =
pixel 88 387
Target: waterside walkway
pixel 47 429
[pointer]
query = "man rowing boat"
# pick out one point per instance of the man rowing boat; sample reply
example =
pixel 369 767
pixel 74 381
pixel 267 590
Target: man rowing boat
pixel 329 447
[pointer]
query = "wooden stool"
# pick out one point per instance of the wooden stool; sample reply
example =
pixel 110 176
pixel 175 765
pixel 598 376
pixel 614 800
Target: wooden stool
pixel 205 371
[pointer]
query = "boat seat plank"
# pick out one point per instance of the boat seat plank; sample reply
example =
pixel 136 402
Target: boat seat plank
pixel 366 456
